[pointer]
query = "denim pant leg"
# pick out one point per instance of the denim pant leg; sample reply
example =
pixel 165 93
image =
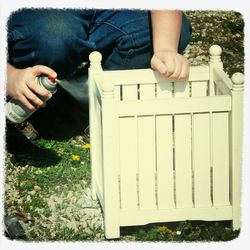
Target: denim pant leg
pixel 186 34
pixel 62 39
pixel 125 38
pixel 56 38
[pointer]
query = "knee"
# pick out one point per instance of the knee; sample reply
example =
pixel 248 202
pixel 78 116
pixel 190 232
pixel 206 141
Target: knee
pixel 59 48
pixel 51 38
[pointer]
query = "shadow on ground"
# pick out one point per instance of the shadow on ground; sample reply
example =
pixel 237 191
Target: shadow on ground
pixel 182 231
pixel 62 118
pixel 36 156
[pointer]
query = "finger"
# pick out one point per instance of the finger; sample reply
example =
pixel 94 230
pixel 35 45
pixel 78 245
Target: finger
pixel 35 100
pixel 43 70
pixel 184 71
pixel 27 104
pixel 39 90
pixel 177 71
pixel 171 65
pixel 157 64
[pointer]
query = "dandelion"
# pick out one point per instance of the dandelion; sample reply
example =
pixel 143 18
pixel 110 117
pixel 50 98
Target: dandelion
pixel 75 157
pixel 86 146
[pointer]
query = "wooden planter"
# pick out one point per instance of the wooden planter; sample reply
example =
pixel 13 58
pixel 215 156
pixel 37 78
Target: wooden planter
pixel 162 150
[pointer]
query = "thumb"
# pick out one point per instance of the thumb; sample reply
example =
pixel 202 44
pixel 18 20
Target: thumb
pixel 43 70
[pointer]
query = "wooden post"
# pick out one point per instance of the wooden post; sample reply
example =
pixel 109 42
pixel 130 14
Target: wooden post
pixel 215 61
pixel 236 146
pixel 110 162
pixel 95 66
pixel 95 59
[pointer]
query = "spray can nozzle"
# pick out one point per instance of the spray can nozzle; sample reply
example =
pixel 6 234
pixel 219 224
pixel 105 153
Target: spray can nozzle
pixel 53 79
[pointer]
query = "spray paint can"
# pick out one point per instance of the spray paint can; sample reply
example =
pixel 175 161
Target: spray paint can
pixel 16 112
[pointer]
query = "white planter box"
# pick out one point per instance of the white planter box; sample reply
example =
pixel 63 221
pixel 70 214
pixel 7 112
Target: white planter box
pixel 162 150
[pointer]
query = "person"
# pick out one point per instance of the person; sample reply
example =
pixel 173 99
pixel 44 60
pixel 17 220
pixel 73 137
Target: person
pixel 55 42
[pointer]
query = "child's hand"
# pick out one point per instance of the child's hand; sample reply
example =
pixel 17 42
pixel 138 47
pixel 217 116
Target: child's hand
pixel 21 85
pixel 170 64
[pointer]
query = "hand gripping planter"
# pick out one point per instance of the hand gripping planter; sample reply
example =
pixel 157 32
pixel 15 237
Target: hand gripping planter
pixel 165 150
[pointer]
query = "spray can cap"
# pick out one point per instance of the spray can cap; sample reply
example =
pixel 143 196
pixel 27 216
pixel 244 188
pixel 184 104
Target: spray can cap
pixel 53 79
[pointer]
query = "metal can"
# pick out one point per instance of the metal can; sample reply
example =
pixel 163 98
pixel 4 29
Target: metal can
pixel 16 112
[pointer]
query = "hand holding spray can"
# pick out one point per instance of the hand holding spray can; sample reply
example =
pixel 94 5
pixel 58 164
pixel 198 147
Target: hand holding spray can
pixel 16 112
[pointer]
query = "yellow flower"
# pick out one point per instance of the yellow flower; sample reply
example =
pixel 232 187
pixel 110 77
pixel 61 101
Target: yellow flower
pixel 75 157
pixel 86 146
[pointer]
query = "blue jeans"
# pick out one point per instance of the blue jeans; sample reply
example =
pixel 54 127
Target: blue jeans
pixel 63 38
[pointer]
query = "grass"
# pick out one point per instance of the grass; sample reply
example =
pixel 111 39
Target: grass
pixel 34 190
pixel 46 182
pixel 44 195
pixel 183 231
